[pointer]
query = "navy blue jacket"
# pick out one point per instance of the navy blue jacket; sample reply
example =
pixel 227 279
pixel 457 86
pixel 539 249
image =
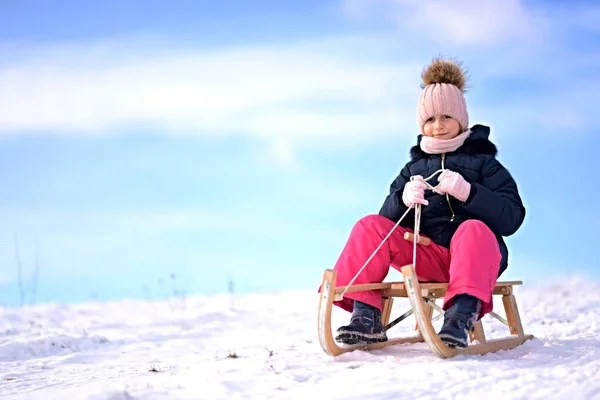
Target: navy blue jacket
pixel 494 197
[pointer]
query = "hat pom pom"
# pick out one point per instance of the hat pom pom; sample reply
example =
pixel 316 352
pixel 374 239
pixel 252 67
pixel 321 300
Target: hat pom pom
pixel 444 71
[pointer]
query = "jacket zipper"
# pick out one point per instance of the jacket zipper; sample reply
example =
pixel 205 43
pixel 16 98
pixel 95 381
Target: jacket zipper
pixel 447 196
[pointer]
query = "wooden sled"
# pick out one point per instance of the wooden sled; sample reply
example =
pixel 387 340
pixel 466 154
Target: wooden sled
pixel 422 298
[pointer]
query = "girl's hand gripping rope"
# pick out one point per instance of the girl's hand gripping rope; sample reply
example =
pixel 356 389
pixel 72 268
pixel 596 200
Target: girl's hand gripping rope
pixel 414 192
pixel 454 184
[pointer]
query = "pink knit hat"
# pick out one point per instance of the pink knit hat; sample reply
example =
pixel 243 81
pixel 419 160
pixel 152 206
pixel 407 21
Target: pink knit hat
pixel 443 87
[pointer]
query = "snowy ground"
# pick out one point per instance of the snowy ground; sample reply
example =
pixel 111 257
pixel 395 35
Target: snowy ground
pixel 265 347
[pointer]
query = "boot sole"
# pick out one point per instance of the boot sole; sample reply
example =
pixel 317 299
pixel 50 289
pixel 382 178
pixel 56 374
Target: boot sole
pixel 452 341
pixel 348 337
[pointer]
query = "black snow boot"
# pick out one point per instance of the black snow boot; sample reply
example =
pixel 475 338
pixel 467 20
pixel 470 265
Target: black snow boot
pixel 459 319
pixel 365 326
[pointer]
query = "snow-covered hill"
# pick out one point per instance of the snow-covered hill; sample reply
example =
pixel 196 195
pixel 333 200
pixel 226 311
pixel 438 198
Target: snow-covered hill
pixel 264 346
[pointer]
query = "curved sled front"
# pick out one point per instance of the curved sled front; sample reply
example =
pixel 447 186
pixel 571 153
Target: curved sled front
pixel 328 343
pixel 416 296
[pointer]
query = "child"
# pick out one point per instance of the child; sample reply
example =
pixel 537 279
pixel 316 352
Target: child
pixel 475 203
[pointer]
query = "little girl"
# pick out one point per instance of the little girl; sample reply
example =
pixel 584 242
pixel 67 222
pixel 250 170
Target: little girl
pixel 474 204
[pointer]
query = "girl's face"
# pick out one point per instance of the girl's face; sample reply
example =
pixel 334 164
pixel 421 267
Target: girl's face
pixel 441 127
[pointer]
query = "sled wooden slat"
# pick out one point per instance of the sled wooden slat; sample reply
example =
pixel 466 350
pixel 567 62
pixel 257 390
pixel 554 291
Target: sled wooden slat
pixel 418 293
pixel 434 290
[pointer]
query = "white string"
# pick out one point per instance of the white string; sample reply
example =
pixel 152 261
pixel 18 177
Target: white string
pixel 415 234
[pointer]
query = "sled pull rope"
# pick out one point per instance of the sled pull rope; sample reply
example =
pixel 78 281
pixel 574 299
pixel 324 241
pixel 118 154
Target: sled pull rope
pixel 416 229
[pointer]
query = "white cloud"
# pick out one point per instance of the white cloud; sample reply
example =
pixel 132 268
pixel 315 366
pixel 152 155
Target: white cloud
pixel 281 151
pixel 334 91
pixel 482 22
pixel 267 92
pixel 462 22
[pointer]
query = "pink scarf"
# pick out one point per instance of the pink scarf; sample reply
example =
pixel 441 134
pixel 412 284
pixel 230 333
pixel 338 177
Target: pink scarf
pixel 432 145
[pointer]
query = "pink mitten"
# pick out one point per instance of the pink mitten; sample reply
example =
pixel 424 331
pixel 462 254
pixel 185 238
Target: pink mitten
pixel 414 192
pixel 454 184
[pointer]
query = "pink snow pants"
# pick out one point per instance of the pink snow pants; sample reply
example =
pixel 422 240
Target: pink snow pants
pixel 469 266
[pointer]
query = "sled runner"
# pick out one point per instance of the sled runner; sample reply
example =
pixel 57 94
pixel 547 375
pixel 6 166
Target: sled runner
pixel 422 297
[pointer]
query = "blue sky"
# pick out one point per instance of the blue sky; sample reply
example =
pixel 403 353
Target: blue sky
pixel 147 148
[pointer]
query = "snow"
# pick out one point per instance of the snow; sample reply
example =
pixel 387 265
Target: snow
pixel 264 346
